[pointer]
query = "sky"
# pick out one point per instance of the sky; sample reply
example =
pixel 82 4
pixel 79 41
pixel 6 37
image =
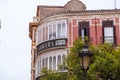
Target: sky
pixel 15 44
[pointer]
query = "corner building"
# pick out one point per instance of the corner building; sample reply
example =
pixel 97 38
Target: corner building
pixel 55 28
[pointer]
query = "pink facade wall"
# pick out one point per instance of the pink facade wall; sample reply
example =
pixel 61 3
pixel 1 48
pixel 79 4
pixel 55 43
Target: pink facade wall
pixel 99 34
pixel 75 33
pixel 74 21
pixel 96 31
pixel 92 35
pixel 117 31
pixel 75 29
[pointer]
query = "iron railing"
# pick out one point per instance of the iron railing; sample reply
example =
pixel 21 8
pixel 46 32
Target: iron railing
pixel 51 44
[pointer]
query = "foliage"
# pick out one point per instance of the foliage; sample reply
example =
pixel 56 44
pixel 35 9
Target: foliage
pixel 52 75
pixel 105 62
pixel 71 63
pixel 77 46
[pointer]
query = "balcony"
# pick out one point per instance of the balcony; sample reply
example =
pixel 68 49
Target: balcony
pixel 51 44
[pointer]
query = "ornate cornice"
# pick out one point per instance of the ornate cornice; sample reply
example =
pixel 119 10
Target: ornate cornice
pixel 86 13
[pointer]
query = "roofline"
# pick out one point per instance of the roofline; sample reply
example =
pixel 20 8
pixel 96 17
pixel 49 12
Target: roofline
pixel 50 6
pixel 90 11
pixel 115 11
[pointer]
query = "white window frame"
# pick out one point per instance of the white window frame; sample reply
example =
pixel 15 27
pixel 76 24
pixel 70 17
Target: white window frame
pixel 109 34
pixel 47 25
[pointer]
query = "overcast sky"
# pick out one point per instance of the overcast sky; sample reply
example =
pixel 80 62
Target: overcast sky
pixel 15 44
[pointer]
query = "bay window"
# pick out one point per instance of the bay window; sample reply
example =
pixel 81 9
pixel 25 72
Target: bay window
pixel 52 30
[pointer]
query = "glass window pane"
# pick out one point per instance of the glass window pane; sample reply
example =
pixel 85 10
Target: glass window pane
pixel 54 63
pixel 59 30
pixel 46 62
pixel 54 30
pixel 44 34
pixel 47 33
pixel 40 35
pixel 59 60
pixel 42 63
pixel 82 33
pixel 40 66
pixel 50 32
pixel 108 31
pixel 108 35
pixel 63 30
pixel 50 63
pixel 63 57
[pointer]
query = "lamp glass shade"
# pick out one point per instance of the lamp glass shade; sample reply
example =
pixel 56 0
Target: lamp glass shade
pixel 85 61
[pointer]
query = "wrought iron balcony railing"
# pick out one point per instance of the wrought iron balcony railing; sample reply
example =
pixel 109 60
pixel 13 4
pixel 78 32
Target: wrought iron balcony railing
pixel 51 44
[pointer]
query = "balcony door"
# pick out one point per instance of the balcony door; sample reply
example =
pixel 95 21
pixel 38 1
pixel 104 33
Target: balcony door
pixel 108 31
pixel 84 29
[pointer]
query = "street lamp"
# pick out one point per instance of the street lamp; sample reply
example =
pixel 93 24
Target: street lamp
pixel 85 58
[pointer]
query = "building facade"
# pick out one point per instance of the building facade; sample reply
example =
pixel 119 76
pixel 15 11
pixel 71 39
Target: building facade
pixel 55 28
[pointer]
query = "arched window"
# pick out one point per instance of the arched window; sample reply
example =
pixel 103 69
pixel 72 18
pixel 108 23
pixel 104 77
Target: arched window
pixel 44 33
pixel 59 59
pixel 63 57
pixel 59 30
pixel 54 63
pixel 54 31
pixel 46 62
pixel 50 32
pixel 40 66
pixel 43 63
pixel 50 63
pixel 63 30
pixel 41 36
